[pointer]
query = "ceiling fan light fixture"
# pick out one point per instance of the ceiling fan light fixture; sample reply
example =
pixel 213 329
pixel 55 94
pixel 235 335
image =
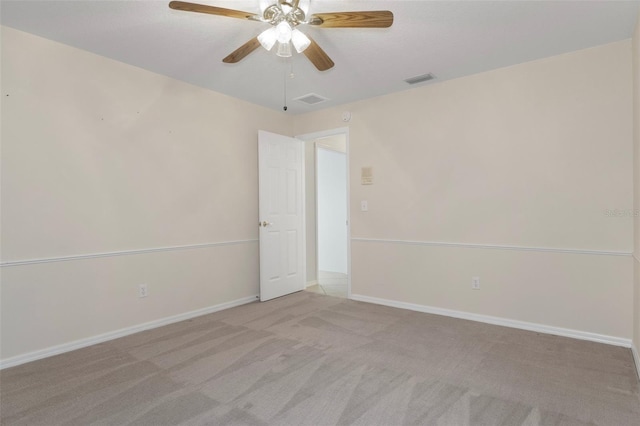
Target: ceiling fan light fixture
pixel 299 40
pixel 268 38
pixel 284 50
pixel 283 30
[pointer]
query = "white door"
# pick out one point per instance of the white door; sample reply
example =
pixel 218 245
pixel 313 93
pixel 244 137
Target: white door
pixel 281 221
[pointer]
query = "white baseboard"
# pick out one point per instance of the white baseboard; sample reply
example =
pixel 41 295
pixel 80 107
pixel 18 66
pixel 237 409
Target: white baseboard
pixel 311 283
pixel 540 328
pixel 82 343
pixel 636 358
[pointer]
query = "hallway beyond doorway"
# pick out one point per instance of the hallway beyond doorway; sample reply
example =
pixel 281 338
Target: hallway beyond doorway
pixel 331 284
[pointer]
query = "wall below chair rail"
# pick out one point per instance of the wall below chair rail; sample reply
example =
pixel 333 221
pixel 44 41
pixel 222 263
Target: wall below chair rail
pixel 563 290
pixel 54 303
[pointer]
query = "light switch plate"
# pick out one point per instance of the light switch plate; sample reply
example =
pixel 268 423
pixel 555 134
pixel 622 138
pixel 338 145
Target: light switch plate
pixel 366 176
pixel 364 206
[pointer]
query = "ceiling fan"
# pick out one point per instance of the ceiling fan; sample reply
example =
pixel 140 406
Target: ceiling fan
pixel 285 16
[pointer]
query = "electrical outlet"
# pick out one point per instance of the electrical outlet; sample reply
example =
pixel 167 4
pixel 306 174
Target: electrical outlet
pixel 475 283
pixel 143 290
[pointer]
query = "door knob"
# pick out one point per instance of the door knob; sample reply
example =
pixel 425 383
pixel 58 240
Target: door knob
pixel 264 224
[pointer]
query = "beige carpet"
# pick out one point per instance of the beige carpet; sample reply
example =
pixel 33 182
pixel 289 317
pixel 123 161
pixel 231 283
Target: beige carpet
pixel 309 359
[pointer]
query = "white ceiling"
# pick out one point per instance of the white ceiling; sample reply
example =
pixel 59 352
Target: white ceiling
pixel 447 38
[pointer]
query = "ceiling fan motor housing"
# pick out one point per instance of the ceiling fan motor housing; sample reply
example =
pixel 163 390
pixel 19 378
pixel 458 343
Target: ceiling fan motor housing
pixel 284 11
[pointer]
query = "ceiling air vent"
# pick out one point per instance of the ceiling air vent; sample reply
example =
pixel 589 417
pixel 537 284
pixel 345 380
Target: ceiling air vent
pixel 420 78
pixel 311 99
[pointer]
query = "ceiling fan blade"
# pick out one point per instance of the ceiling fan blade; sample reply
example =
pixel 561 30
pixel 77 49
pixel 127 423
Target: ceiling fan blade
pixel 370 19
pixel 317 56
pixel 242 51
pixel 212 10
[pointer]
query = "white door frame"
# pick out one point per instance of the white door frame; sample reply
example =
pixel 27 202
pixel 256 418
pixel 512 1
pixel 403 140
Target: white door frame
pixel 318 135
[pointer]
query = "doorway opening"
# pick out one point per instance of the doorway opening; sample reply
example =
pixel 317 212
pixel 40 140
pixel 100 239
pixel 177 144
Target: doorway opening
pixel 327 212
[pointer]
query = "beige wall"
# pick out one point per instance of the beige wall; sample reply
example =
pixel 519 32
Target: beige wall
pixel 99 157
pixel 636 180
pixel 529 156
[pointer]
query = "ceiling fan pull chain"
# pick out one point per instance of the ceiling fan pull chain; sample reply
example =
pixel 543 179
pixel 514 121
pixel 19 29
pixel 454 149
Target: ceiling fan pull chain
pixel 285 88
